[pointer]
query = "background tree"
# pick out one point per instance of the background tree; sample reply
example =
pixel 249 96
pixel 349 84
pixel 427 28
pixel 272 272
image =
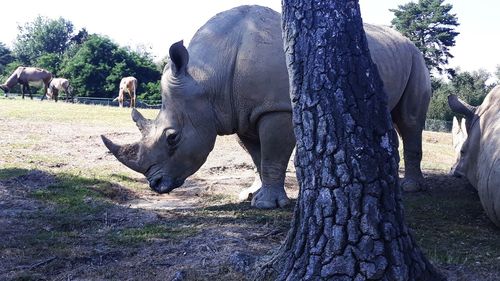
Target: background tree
pixel 5 57
pixel 43 42
pixel 348 222
pixel 431 26
pixel 471 87
pixel 438 107
pixel 96 68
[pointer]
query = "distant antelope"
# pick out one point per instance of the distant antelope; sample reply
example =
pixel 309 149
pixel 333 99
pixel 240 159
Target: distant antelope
pixel 129 85
pixel 23 75
pixel 56 85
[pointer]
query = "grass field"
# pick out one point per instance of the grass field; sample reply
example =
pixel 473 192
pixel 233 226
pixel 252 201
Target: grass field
pixel 69 210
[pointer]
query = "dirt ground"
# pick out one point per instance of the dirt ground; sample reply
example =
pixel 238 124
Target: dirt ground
pixel 120 229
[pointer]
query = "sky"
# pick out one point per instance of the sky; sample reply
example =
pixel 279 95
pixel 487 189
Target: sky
pixel 154 25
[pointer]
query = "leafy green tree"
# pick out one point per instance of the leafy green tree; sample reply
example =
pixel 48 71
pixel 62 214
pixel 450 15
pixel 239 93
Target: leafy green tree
pixel 96 68
pixel 497 74
pixel 5 57
pixel 151 93
pixel 42 41
pixel 431 26
pixel 438 107
pixel 472 87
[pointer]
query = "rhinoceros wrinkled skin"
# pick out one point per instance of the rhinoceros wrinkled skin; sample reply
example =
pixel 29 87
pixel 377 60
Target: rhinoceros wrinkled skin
pixel 233 79
pixel 477 140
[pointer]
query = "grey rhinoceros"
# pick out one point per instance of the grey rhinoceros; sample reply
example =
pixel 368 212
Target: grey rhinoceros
pixel 477 141
pixel 233 79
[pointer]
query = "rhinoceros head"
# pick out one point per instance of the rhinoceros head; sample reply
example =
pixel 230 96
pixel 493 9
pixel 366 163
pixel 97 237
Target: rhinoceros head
pixel 465 137
pixel 178 141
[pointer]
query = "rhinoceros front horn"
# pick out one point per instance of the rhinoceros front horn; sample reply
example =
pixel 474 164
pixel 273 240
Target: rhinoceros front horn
pixel 127 154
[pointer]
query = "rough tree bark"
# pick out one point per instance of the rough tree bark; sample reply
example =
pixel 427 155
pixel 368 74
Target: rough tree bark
pixel 349 221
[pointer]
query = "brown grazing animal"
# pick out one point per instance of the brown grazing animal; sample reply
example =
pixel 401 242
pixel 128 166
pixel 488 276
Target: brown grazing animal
pixel 24 75
pixel 56 85
pixel 128 85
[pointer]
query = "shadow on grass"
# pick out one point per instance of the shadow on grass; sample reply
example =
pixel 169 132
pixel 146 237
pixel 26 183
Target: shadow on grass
pixel 72 202
pixel 129 179
pixel 12 172
pixel 63 222
pixel 84 222
pixel 450 224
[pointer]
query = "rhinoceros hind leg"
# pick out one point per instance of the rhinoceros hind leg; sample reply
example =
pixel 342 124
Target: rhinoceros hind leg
pixel 252 146
pixel 412 185
pixel 410 130
pixel 413 180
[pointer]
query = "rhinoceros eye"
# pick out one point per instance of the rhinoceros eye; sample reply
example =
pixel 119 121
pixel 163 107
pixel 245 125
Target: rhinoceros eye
pixel 172 137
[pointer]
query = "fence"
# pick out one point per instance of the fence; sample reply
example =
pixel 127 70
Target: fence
pixel 438 125
pixel 110 102
pixel 430 124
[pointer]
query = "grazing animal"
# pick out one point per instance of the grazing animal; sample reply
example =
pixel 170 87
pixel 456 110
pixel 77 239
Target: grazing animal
pixel 127 85
pixel 56 85
pixel 24 75
pixel 233 79
pixel 477 140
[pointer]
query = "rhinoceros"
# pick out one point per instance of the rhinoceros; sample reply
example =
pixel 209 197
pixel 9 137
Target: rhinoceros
pixel 477 140
pixel 233 79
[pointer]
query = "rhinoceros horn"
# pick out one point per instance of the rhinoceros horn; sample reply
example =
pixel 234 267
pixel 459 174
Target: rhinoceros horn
pixel 127 154
pixel 459 106
pixel 142 123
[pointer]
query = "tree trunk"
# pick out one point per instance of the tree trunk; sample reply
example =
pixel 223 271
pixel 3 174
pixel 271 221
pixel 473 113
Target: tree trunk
pixel 348 222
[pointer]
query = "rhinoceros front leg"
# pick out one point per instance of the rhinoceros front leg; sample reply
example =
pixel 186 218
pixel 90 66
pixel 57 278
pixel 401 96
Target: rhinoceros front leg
pixel 276 142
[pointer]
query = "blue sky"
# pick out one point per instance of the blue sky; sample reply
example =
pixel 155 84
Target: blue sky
pixel 155 25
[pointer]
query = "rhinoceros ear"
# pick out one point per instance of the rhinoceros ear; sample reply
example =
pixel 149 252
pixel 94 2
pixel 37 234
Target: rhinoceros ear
pixel 142 123
pixel 459 106
pixel 179 57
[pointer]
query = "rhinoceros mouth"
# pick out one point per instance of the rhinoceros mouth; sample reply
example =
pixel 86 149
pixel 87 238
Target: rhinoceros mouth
pixel 165 185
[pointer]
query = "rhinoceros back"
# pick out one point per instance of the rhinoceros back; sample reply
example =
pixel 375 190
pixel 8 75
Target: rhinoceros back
pixel 238 55
pixel 398 61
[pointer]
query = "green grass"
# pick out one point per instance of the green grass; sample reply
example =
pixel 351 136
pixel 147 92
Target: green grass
pixel 61 112
pixel 7 173
pixel 452 228
pixel 148 233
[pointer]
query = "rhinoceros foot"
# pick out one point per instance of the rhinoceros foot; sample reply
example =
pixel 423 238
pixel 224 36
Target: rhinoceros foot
pixel 269 197
pixel 413 185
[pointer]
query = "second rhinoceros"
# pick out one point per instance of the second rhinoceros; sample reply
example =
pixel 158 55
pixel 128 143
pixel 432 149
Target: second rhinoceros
pixel 477 144
pixel 233 79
